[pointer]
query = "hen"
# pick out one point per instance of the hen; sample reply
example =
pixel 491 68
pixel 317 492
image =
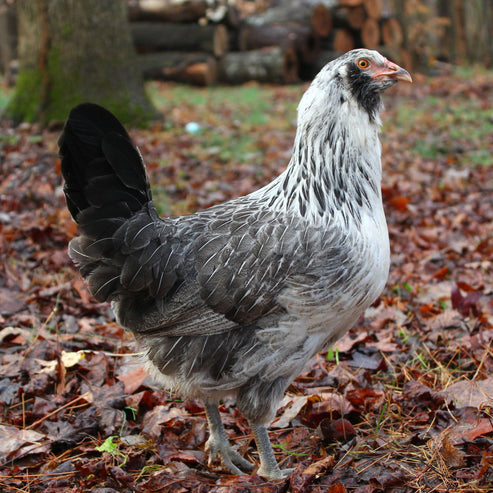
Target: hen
pixel 234 300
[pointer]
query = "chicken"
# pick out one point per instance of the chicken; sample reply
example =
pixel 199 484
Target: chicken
pixel 234 300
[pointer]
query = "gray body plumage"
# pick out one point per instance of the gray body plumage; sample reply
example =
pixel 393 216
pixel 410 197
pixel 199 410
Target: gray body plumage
pixel 234 300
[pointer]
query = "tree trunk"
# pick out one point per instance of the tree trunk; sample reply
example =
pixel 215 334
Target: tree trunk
pixel 154 36
pixel 8 39
pixel 459 25
pixel 68 56
pixel 273 64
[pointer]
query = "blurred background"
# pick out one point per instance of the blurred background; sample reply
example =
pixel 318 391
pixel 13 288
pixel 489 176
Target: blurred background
pixel 210 42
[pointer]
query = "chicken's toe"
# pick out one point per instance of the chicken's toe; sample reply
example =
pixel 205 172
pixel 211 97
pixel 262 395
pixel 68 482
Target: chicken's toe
pixel 229 457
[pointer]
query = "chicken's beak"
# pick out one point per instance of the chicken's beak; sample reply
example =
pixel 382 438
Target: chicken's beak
pixel 392 71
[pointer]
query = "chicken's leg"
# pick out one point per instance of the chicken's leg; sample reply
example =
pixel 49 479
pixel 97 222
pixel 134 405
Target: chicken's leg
pixel 269 468
pixel 218 444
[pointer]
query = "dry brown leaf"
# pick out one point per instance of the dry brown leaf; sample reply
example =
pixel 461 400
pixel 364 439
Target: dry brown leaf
pixel 471 393
pixel 321 466
pixel 445 451
pixel 294 404
pixel 15 442
pixel 470 431
pixel 133 380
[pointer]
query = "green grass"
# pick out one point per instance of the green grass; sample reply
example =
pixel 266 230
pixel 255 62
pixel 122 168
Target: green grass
pixel 251 102
pixel 5 94
pixel 237 124
pixel 458 125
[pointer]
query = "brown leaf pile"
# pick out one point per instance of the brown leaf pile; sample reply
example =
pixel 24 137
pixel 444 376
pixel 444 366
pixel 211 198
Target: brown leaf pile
pixel 402 404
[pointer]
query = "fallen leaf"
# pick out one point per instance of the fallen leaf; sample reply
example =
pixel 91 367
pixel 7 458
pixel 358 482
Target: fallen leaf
pixel 421 396
pixel 399 203
pixel 295 404
pixel 10 301
pixel 468 432
pixel 365 362
pixel 445 451
pixel 474 393
pixel 322 466
pixel 68 359
pixel 432 293
pixel 349 340
pixel 15 442
pixel 466 305
pixel 133 380
pixel 15 332
pixel 337 430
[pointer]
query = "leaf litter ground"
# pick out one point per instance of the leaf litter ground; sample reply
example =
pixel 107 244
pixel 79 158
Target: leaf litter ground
pixel 403 403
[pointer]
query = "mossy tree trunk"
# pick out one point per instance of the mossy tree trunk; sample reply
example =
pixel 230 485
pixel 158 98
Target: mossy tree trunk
pixel 71 52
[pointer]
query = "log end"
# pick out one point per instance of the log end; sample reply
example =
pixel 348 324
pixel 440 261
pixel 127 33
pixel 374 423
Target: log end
pixel 370 33
pixel 392 34
pixel 220 41
pixel 321 20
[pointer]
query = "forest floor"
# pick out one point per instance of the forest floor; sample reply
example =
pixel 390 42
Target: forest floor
pixel 403 403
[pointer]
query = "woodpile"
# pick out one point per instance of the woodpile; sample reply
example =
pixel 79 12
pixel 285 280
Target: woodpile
pixel 209 41
pixel 204 42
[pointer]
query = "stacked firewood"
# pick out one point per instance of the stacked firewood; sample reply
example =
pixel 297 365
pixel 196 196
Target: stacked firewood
pixel 208 41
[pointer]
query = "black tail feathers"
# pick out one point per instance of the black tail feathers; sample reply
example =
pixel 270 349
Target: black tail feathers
pixel 105 179
pixel 108 195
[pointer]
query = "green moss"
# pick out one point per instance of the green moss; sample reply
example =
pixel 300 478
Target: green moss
pixel 67 88
pixel 131 113
pixel 64 91
pixel 25 103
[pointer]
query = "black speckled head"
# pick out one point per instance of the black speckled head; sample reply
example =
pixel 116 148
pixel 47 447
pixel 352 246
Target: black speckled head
pixel 358 76
pixel 364 89
pixel 367 74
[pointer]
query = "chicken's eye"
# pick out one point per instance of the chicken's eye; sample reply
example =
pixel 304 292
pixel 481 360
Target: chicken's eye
pixel 363 63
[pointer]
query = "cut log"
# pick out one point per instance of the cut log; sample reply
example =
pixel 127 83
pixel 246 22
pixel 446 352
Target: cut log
pixel 274 64
pixel 392 34
pixel 166 10
pixel 350 3
pixel 349 17
pixel 253 37
pixel 193 68
pixel 373 8
pixel 356 16
pixel 317 17
pixel 321 20
pixel 296 36
pixel 343 40
pixel 370 33
pixel 155 36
